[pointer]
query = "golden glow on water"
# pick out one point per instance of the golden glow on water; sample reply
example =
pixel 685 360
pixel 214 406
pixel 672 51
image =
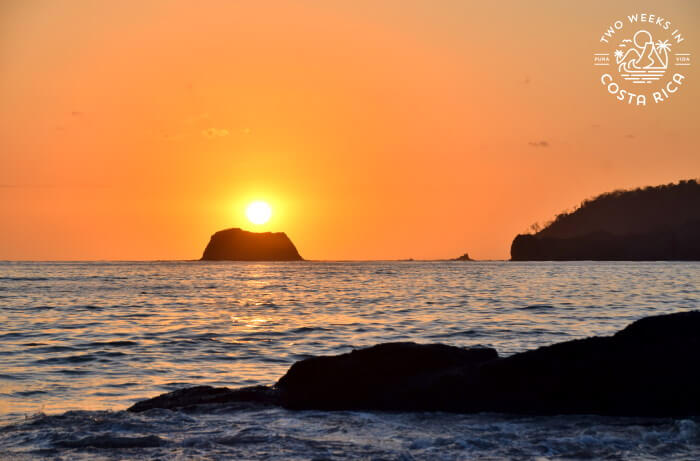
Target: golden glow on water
pixel 249 322
pixel 102 335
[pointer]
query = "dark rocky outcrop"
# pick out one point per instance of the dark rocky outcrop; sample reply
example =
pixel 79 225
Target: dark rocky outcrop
pixel 239 245
pixel 680 244
pixel 194 397
pixel 464 257
pixel 385 376
pixel 654 223
pixel 649 368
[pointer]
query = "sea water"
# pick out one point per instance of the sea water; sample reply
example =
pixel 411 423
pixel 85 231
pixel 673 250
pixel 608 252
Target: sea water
pixel 81 341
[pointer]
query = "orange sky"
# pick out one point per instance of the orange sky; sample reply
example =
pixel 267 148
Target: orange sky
pixel 377 130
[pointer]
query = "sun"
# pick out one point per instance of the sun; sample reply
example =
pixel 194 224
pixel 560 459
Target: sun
pixel 258 212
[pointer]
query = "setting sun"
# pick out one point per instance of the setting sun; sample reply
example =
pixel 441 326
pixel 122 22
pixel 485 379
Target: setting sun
pixel 258 212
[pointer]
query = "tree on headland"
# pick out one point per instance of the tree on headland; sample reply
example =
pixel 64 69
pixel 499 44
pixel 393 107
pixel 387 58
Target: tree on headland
pixel 658 223
pixel 621 212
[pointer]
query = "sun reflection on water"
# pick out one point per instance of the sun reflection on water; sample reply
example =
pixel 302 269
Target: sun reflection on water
pixel 101 335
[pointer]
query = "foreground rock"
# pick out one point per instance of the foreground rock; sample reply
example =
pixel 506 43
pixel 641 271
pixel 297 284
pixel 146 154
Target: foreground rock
pixel 648 369
pixel 239 245
pixel 196 397
pixel 393 376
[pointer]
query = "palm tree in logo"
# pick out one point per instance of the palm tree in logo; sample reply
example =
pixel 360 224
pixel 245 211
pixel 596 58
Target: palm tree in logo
pixel 662 48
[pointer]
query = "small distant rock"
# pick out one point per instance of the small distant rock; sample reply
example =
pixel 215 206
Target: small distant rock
pixel 464 257
pixel 239 245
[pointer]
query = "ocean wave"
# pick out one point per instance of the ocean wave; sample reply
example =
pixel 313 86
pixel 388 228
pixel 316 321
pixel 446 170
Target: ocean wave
pixel 453 334
pixel 537 307
pixel 67 359
pixel 115 343
pixel 263 433
pixel 77 278
pixel 24 279
pixel 111 441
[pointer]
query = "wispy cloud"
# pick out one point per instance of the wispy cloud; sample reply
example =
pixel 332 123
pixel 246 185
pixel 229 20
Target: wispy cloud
pixel 53 186
pixel 538 144
pixel 172 136
pixel 215 133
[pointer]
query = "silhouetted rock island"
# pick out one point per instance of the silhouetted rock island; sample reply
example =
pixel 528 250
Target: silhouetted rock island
pixel 239 245
pixel 464 257
pixel 654 223
pixel 647 369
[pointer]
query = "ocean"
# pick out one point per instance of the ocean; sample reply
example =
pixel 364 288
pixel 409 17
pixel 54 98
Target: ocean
pixel 82 341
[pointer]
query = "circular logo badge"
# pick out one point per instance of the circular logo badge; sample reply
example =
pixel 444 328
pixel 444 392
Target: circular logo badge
pixel 642 59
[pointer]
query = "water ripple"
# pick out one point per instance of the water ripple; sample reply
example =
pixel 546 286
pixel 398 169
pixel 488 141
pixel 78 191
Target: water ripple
pixel 83 330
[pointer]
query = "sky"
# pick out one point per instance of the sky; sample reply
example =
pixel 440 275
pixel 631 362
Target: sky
pixel 375 129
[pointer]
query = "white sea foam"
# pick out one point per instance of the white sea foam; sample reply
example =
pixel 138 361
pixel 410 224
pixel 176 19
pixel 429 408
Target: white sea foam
pixel 281 434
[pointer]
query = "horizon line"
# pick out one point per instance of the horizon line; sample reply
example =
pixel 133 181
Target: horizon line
pixel 239 261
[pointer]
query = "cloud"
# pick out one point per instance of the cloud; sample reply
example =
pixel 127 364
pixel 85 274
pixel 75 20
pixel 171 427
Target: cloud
pixel 630 136
pixel 171 136
pixel 77 113
pixel 212 133
pixel 538 144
